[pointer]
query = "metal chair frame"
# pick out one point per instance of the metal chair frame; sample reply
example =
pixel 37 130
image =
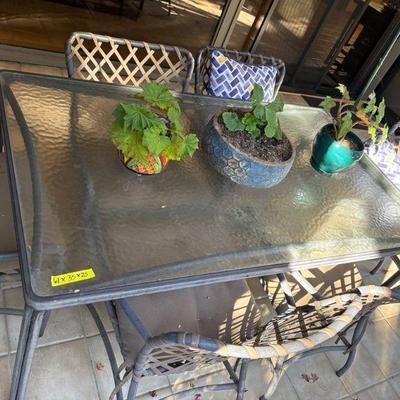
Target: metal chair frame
pixel 203 66
pixel 160 63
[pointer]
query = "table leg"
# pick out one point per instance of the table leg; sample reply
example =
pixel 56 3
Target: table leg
pixel 28 337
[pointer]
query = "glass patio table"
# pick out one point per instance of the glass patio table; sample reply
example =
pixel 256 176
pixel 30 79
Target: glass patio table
pixel 77 208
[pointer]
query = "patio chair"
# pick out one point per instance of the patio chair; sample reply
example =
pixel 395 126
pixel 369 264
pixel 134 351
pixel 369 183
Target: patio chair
pixel 127 62
pixel 203 66
pixel 288 337
pixel 371 297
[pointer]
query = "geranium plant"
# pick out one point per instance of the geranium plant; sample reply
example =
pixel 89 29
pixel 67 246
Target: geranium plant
pixel 261 120
pixel 147 133
pixel 362 113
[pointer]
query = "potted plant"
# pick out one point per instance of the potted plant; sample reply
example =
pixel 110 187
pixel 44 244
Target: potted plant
pixel 336 148
pixel 149 135
pixel 248 146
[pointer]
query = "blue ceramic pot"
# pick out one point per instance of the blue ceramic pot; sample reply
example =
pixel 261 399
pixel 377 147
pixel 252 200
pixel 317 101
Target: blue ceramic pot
pixel 330 156
pixel 239 166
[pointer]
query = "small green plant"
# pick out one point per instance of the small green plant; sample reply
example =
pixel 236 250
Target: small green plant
pixel 362 113
pixel 261 120
pixel 153 128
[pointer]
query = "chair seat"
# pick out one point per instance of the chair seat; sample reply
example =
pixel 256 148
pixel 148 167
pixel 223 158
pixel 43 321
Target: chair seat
pixel 224 311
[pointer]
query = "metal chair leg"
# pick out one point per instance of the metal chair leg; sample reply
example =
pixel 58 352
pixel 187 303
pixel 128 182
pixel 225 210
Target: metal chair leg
pixel 231 372
pixel 29 335
pixel 356 339
pixel 132 390
pixel 242 380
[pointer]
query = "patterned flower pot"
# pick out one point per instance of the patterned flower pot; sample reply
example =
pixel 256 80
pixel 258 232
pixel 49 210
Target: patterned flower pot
pixel 240 167
pixel 330 156
pixel 154 165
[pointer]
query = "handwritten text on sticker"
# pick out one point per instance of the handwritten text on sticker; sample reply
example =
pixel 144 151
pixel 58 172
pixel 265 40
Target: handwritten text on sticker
pixel 72 277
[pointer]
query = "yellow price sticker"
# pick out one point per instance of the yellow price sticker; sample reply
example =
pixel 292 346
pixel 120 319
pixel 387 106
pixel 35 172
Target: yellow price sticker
pixel 72 277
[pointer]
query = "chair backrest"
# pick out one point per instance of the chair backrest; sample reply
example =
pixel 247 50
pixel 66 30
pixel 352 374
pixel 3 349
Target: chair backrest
pixel 203 66
pixel 127 62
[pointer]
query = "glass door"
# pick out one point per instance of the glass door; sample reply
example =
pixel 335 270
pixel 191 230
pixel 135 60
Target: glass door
pixel 322 42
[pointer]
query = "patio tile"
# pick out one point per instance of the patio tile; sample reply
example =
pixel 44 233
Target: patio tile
pixel 64 324
pixel 384 346
pixel 327 385
pixel 364 371
pixel 103 373
pixel 5 378
pixel 101 365
pixel 215 375
pixel 395 382
pixel 382 391
pixel 62 372
pixel 258 378
pixel 89 326
pixel 3 330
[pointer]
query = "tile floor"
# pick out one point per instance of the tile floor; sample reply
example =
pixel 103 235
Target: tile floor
pixel 71 364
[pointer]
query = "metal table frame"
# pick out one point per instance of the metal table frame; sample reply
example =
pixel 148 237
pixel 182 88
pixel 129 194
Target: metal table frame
pixel 37 308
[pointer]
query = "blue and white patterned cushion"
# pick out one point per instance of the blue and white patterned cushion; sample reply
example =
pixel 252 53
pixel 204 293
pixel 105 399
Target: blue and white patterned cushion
pixel 386 158
pixel 235 80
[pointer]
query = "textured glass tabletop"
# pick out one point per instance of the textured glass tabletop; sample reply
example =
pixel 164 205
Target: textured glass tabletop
pixel 79 206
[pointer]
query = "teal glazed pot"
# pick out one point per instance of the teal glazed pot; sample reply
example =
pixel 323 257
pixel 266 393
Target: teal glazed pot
pixel 330 156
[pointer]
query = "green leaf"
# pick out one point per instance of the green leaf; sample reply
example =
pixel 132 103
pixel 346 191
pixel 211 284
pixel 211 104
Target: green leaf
pixel 271 129
pixel 155 140
pixel 369 107
pixel 157 165
pixel 250 124
pixel 346 125
pixel 232 121
pixel 372 132
pixel 257 95
pixel 385 131
pixel 176 149
pixel 191 143
pixel 138 118
pixel 327 104
pixel 381 112
pixel 343 90
pixel 119 114
pixel 158 95
pixel 259 112
pixel 174 113
pixel 130 143
pixel 249 119
pixel 277 104
pixel 253 130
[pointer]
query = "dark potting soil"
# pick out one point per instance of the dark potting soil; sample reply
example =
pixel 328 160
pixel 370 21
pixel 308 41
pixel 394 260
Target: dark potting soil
pixel 264 148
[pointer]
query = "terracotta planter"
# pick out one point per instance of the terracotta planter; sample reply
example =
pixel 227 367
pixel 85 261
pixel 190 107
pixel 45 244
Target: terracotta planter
pixel 154 165
pixel 238 166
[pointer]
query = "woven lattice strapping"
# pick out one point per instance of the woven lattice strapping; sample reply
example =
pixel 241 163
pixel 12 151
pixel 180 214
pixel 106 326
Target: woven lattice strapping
pixel 116 60
pixel 203 66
